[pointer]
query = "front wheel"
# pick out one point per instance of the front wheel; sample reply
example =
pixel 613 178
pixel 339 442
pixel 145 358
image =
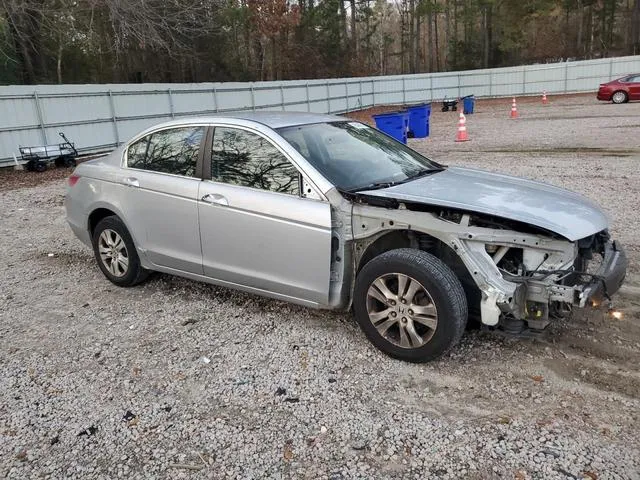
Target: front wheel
pixel 116 254
pixel 619 97
pixel 410 305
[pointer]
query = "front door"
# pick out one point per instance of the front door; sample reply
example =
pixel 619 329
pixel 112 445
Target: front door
pixel 255 228
pixel 161 194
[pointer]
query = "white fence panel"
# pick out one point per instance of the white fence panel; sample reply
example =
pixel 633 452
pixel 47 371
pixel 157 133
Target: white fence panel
pixel 98 117
pixel 185 102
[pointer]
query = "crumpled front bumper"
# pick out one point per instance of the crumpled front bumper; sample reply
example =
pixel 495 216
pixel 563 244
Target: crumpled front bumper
pixel 609 277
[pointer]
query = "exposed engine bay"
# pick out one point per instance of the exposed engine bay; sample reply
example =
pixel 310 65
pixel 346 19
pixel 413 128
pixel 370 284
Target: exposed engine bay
pixel 524 275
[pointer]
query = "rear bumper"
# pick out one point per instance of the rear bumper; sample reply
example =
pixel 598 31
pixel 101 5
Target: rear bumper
pixel 609 277
pixel 604 95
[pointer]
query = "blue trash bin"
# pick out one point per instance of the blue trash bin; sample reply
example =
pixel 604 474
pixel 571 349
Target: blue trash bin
pixel 469 102
pixel 419 120
pixel 393 124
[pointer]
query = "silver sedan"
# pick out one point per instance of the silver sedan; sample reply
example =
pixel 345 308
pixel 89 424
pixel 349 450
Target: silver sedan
pixel 330 213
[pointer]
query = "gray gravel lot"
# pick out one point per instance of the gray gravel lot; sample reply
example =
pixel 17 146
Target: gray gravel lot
pixel 175 379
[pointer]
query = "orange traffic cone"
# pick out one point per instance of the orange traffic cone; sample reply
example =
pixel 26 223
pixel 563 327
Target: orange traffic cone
pixel 462 135
pixel 514 109
pixel 544 98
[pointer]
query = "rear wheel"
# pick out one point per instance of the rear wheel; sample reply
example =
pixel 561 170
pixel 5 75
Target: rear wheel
pixel 116 254
pixel 619 97
pixel 410 305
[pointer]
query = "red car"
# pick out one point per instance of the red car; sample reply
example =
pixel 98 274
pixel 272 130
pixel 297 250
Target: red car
pixel 621 90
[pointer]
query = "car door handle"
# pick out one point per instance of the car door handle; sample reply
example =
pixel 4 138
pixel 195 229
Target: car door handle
pixel 131 182
pixel 215 199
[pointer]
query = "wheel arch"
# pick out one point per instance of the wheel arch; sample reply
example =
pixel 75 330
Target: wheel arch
pixel 396 239
pixel 98 214
pixel 101 210
pixel 620 90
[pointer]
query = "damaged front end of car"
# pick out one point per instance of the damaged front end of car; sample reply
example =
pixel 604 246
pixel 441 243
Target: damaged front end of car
pixel 540 277
pixel 523 275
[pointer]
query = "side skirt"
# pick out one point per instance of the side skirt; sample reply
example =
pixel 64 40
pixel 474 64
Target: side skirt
pixel 243 288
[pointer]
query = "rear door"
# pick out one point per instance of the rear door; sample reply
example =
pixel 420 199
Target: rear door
pixel 162 174
pixel 634 88
pixel 255 227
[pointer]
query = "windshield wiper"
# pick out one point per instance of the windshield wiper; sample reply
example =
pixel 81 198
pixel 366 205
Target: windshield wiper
pixel 372 186
pixel 420 174
pixel 379 185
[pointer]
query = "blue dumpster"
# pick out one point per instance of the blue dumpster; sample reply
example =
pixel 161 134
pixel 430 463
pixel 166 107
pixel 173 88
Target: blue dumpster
pixel 469 103
pixel 419 120
pixel 393 124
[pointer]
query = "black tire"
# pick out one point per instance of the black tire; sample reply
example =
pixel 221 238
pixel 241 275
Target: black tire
pixel 59 162
pixel 134 273
pixel 441 285
pixel 40 167
pixel 619 97
pixel 70 162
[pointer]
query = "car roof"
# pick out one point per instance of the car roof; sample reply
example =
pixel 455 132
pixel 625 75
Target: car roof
pixel 275 119
pixel 272 119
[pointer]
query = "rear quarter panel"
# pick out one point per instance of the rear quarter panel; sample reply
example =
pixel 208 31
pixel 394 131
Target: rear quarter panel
pixel 99 186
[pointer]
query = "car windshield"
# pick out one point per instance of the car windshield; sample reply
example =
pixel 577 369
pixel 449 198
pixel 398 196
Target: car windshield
pixel 354 156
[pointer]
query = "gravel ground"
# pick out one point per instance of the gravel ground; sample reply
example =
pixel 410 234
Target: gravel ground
pixel 175 379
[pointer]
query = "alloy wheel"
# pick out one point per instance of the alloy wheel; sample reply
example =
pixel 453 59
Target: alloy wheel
pixel 402 310
pixel 113 253
pixel 619 97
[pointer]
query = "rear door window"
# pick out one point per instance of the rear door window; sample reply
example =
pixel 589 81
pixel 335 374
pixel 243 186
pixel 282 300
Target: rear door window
pixel 173 151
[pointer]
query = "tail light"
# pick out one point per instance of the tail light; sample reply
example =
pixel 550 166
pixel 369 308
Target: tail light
pixel 73 179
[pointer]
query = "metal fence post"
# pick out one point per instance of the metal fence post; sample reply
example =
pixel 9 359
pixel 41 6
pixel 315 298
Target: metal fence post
pixel 404 91
pixel 328 98
pixel 282 97
pixel 173 115
pixel 373 92
pixel 431 87
pixel 611 68
pixel 40 117
pixel 524 80
pixel 360 92
pixel 459 87
pixel 308 98
pixel 215 99
pixel 346 94
pixel 566 76
pixel 490 84
pixel 112 107
pixel 253 98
